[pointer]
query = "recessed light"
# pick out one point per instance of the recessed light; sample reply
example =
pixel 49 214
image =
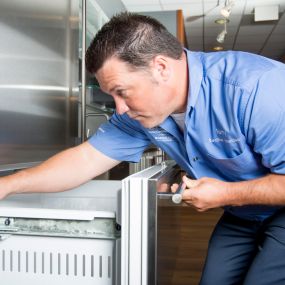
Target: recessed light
pixel 222 21
pixel 218 48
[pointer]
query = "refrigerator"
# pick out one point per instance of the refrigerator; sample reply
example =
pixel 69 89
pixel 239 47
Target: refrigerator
pixel 103 232
pixel 39 77
pixel 48 101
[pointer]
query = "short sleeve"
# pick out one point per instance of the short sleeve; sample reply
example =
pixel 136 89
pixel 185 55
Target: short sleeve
pixel 265 120
pixel 121 139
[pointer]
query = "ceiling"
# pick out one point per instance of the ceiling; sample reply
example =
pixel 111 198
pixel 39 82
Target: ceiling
pixel 266 38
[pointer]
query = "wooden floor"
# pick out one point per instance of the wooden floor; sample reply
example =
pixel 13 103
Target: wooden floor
pixel 183 236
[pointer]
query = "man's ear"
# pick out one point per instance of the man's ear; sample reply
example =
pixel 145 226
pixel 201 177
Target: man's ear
pixel 161 67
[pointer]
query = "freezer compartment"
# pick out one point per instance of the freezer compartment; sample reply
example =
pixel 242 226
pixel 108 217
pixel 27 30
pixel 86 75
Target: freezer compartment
pixel 104 232
pixel 61 238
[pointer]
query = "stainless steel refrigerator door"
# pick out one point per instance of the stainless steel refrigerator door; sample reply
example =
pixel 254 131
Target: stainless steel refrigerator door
pixel 139 223
pixel 38 80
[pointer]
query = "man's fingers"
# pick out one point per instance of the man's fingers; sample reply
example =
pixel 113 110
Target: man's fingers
pixel 164 187
pixel 187 183
pixel 187 195
pixel 174 187
pixel 186 203
pixel 190 183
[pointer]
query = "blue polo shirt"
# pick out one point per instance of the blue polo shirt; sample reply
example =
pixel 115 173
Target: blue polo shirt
pixel 234 123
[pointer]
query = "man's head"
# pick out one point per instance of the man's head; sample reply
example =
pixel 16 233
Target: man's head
pixel 141 65
pixel 132 38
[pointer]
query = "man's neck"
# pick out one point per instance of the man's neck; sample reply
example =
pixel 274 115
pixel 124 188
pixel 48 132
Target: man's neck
pixel 182 84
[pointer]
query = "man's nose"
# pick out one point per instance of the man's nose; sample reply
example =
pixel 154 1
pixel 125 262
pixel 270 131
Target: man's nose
pixel 121 106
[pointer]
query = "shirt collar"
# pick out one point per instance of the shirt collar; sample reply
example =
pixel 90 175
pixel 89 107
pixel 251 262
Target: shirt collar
pixel 195 71
pixel 170 126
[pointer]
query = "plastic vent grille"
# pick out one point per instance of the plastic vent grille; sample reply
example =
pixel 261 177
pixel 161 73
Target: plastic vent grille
pixel 54 263
pixel 58 261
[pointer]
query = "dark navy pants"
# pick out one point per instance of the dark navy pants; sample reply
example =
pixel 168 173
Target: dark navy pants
pixel 246 252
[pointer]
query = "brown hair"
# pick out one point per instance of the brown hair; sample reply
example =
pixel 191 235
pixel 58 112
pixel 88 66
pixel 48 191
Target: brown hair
pixel 132 38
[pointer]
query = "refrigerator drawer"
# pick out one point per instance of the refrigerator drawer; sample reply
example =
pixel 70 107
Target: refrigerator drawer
pixel 61 238
pixel 103 232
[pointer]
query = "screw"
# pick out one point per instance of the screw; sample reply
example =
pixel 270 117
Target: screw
pixel 118 227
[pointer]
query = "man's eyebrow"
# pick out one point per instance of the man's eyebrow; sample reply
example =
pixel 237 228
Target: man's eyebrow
pixel 114 87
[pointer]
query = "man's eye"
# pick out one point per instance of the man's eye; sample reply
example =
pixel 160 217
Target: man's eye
pixel 121 93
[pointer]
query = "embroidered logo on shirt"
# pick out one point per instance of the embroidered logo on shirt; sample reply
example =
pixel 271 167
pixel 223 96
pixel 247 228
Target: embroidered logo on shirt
pixel 161 135
pixel 222 136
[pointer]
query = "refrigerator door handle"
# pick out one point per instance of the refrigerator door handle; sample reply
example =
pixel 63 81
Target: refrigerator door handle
pixel 83 74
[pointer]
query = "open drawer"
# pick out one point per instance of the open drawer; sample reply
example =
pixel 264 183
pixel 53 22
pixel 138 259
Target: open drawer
pixel 103 232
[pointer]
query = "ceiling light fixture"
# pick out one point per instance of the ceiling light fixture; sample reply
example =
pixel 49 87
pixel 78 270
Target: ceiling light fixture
pixel 227 9
pixel 221 36
pixel 221 21
pixel 225 12
pixel 218 48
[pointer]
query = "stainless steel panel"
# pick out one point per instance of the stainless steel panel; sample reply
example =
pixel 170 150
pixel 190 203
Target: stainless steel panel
pixel 141 219
pixel 38 79
pixel 166 246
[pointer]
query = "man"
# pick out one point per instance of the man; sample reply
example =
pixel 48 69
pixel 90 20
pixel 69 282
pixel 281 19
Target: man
pixel 221 116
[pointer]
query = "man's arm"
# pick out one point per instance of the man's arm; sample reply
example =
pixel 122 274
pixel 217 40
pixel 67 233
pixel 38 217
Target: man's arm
pixel 206 193
pixel 61 172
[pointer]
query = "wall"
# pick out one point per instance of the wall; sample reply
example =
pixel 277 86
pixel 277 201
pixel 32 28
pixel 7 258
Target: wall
pixel 111 7
pixel 167 18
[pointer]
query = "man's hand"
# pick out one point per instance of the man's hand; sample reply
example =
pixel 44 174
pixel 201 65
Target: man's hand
pixel 204 193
